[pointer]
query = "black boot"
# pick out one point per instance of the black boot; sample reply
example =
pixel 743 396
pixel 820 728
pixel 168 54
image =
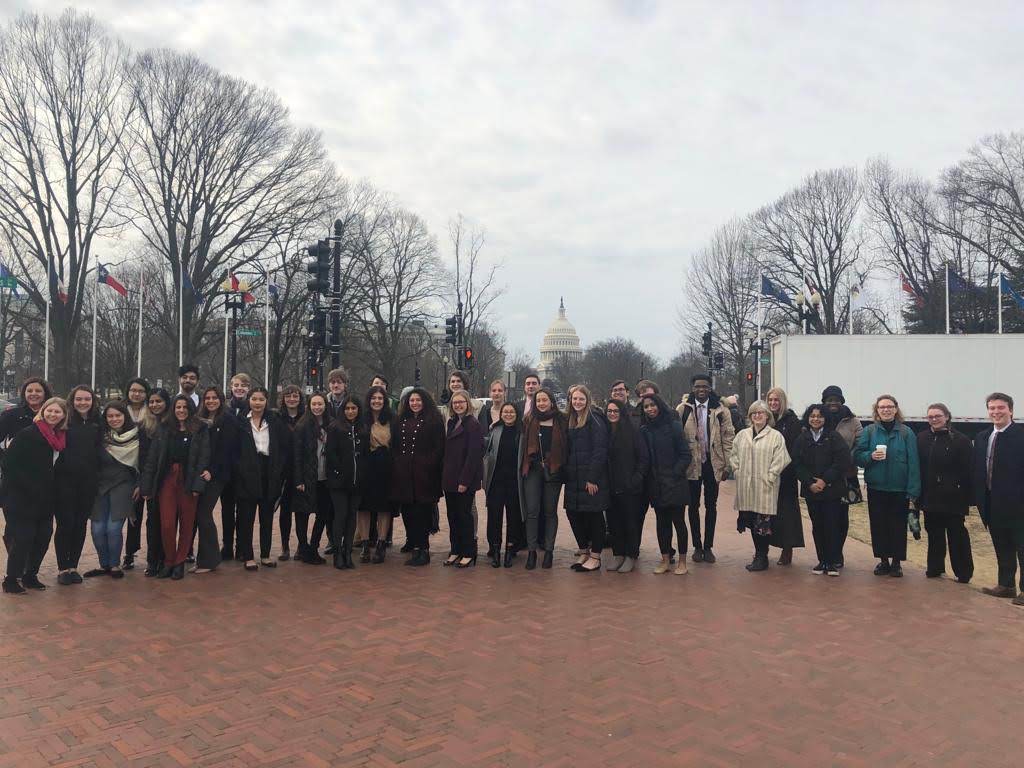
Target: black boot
pixel 165 572
pixel 348 559
pixel 339 559
pixel 510 552
pixel 549 557
pixel 531 560
pixel 178 572
pixel 380 552
pixel 364 555
pixel 12 587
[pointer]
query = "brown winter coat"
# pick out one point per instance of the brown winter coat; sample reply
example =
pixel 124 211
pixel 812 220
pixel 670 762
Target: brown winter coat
pixel 720 435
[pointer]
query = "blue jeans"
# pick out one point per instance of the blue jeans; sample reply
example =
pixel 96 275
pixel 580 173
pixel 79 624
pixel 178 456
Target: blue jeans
pixel 107 535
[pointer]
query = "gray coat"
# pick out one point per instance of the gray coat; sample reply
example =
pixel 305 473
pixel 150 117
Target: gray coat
pixel 116 484
pixel 491 458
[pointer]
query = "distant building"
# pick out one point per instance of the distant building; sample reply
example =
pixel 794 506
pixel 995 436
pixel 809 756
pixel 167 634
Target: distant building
pixel 561 340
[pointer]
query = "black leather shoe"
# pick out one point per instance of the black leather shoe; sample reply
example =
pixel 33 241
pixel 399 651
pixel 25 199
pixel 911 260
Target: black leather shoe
pixel 549 559
pixel 165 572
pixel 226 554
pixel 31 581
pixel 759 563
pixel 151 571
pixel 128 564
pixel 709 556
pixel 882 569
pixel 697 556
pixel 12 587
pixel 510 554
pixel 364 554
pixel 339 560
pixel 531 560
pixel 379 553
pixel 896 571
pixel 349 563
pixel 178 572
pixel 496 560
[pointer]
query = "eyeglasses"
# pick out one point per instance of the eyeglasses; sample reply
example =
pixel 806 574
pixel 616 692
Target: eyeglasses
pixel 887 407
pixel 935 416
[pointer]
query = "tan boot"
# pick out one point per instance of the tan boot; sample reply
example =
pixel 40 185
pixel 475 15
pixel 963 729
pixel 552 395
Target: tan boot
pixel 681 566
pixel 663 566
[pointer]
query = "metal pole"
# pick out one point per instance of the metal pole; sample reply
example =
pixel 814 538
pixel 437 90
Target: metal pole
pixel 95 314
pixel 266 333
pixel 234 336
pixel 757 358
pixel 947 298
pixel 46 330
pixel 225 388
pixel 999 301
pixel 181 311
pixel 336 298
pixel 138 356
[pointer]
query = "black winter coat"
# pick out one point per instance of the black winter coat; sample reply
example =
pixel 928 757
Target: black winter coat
pixel 347 448
pixel 587 462
pixel 158 461
pixel 828 459
pixel 945 461
pixel 79 473
pixel 249 479
pixel 223 447
pixel 667 487
pixel 417 451
pixel 463 455
pixel 306 464
pixel 29 486
pixel 1005 502
pixel 12 421
pixel 629 460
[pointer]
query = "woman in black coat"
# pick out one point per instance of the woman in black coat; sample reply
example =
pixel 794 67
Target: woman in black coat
pixel 175 467
pixel 417 450
pixel 461 476
pixel 667 487
pixel 375 505
pixel 34 392
pixel 788 527
pixel 346 459
pixel 223 429
pixel 77 483
pixel 586 478
pixel 628 464
pixel 29 491
pixel 501 484
pixel 291 408
pixel 264 462
pixel 945 460
pixel 309 474
pixel 821 460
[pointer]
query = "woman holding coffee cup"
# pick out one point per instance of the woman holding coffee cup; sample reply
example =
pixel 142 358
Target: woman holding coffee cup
pixel 887 450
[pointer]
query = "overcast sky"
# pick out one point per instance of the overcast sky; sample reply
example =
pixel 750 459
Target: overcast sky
pixel 599 143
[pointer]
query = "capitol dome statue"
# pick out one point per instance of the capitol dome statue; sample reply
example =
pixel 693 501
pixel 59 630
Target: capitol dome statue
pixel 560 340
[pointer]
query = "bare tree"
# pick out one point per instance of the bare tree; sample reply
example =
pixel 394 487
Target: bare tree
pixel 62 120
pixel 616 358
pixel 476 287
pixel 219 174
pixel 811 235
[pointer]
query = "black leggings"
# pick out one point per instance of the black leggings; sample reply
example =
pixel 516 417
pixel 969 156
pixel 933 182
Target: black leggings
pixel 588 528
pixel 825 520
pixel 324 516
pixel 227 518
pixel 501 500
pixel 667 519
pixel 72 518
pixel 459 507
pixel 760 543
pixel 345 504
pixel 27 536
pixel 417 518
pixel 625 521
pixel 887 513
pixel 285 518
pixel 247 520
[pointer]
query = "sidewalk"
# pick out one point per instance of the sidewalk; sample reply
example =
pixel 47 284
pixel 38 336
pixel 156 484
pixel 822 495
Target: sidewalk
pixel 386 665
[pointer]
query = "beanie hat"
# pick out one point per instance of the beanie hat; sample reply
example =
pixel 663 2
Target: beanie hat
pixel 833 391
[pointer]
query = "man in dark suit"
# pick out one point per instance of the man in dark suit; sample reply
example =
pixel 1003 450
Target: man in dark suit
pixel 998 481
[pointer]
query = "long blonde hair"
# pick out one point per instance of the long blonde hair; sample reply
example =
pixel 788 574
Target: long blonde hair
pixel 579 419
pixel 58 401
pixel 783 400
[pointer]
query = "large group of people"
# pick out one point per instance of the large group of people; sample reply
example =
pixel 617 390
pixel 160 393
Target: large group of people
pixel 349 466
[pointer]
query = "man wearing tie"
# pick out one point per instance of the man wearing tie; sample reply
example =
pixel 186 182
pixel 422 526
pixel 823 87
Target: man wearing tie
pixel 708 428
pixel 998 474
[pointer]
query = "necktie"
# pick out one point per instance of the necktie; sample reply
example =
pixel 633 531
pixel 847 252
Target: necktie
pixel 991 458
pixel 702 431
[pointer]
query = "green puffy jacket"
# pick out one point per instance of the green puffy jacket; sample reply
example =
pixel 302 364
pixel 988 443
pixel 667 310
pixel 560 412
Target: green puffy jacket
pixel 899 472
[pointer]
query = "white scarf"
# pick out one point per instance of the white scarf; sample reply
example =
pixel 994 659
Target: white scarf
pixel 124 448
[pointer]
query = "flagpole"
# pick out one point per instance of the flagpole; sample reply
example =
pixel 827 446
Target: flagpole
pixel 757 366
pixel 266 332
pixel 138 355
pixel 947 298
pixel 999 301
pixel 181 311
pixel 226 329
pixel 95 314
pixel 46 330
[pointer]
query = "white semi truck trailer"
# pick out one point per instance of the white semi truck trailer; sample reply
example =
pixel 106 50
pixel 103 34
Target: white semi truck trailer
pixel 916 369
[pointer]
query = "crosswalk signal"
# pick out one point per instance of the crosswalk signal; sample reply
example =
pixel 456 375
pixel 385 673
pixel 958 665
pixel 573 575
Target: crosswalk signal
pixel 750 377
pixel 319 266
pixel 451 330
pixel 467 358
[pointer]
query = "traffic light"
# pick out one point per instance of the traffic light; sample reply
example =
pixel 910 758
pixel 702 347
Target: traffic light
pixel 750 377
pixel 719 361
pixel 707 341
pixel 317 326
pixel 451 330
pixel 319 266
pixel 467 358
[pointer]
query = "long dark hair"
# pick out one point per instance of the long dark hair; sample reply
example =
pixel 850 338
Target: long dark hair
pixel 192 422
pixel 310 418
pixel 121 406
pixel 203 412
pixel 359 425
pixel 622 436
pixel 163 394
pixel 386 414
pixel 47 390
pixel 266 411
pixel 74 417
pixel 430 413
pixel 664 412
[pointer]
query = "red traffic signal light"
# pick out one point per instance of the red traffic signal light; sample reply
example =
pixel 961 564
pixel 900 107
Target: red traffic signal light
pixel 750 378
pixel 467 357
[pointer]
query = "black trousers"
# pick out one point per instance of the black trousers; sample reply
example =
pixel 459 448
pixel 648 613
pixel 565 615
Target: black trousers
pixel 1009 546
pixel 418 518
pixel 761 543
pixel 625 522
pixel 459 507
pixel 227 518
pixel 540 497
pixel 324 516
pixel 948 526
pixel 709 485
pixel 667 519
pixel 154 541
pixel 27 535
pixel 588 528
pixel 247 510
pixel 887 514
pixel 285 517
pixel 72 518
pixel 503 504
pixel 825 518
pixel 345 504
pixel 209 545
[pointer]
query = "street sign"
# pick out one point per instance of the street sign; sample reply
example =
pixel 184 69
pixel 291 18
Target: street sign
pixel 8 282
pixel 765 359
pixel 247 332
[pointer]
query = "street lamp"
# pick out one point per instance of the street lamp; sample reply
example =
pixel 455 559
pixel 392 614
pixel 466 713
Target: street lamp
pixel 806 309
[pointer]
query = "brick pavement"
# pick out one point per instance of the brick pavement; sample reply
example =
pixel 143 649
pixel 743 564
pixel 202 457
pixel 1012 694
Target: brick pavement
pixel 385 666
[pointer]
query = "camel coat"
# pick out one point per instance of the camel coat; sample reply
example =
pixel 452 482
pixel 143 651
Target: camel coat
pixel 757 462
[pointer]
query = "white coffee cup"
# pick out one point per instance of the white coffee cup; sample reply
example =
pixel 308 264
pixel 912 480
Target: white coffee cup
pixel 882 449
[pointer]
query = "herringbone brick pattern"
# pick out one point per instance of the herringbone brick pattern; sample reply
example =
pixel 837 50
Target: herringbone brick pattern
pixel 392 666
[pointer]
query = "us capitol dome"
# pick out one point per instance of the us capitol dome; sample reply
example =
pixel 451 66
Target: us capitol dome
pixel 561 340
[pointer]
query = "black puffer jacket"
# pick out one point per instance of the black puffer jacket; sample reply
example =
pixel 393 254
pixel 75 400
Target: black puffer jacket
pixel 945 461
pixel 79 476
pixel 347 448
pixel 828 458
pixel 667 486
pixel 587 462
pixel 157 461
pixel 629 460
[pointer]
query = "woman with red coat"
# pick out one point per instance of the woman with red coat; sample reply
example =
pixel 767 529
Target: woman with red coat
pixel 417 445
pixel 460 477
